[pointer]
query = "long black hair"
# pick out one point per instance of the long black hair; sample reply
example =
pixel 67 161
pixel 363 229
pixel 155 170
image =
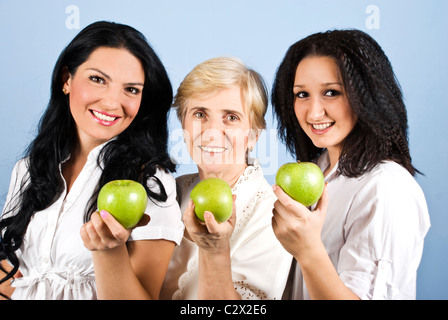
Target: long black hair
pixel 134 154
pixel 373 92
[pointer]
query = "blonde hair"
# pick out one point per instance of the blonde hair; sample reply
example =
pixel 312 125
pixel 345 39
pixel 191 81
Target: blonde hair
pixel 220 73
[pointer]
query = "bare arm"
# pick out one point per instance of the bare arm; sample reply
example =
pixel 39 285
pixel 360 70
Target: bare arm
pixel 212 238
pixel 132 271
pixel 299 231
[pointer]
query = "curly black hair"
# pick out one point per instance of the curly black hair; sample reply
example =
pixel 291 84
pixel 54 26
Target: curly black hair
pixel 374 95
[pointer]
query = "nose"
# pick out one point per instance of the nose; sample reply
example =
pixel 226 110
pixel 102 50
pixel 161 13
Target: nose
pixel 112 98
pixel 316 110
pixel 213 129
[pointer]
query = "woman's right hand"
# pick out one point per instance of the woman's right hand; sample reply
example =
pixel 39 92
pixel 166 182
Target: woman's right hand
pixel 210 236
pixel 104 232
pixel 296 227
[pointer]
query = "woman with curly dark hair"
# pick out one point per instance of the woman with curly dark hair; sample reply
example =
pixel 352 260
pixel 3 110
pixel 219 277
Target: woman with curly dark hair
pixel 106 120
pixel 338 103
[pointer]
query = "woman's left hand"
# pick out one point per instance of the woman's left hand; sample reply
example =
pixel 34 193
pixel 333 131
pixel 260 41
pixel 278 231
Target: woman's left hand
pixel 104 232
pixel 209 235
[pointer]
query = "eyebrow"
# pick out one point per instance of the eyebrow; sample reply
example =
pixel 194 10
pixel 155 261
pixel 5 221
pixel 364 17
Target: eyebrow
pixel 325 84
pixel 105 75
pixel 200 108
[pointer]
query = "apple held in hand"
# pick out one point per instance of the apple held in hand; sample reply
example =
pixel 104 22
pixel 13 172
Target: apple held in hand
pixel 125 200
pixel 212 195
pixel 302 181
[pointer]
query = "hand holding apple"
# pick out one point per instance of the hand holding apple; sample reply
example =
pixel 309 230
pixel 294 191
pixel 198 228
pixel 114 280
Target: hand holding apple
pixel 125 200
pixel 296 227
pixel 302 181
pixel 210 235
pixel 213 195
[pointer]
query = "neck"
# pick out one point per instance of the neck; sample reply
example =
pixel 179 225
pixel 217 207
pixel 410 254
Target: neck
pixel 231 175
pixel 333 154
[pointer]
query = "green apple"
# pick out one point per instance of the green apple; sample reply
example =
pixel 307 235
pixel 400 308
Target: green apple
pixel 125 200
pixel 302 181
pixel 212 195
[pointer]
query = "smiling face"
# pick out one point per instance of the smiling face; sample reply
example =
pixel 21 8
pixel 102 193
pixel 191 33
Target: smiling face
pixel 105 94
pixel 321 105
pixel 218 133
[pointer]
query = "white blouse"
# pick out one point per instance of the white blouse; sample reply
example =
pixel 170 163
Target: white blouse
pixel 373 232
pixel 53 260
pixel 259 263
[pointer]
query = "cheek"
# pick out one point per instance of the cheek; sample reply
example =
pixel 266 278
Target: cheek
pixel 300 114
pixel 81 95
pixel 131 107
pixel 349 117
pixel 191 131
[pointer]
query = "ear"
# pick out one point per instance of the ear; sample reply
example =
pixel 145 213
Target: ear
pixel 254 134
pixel 66 80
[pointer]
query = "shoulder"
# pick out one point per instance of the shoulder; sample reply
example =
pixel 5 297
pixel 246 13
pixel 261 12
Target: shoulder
pixel 20 171
pixel 184 185
pixel 390 178
pixel 166 178
pixel 390 195
pixel 19 177
pixel 22 165
pixel 187 180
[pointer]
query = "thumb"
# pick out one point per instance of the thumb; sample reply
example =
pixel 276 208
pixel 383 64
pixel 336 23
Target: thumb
pixel 285 199
pixel 144 220
pixel 210 222
pixel 322 204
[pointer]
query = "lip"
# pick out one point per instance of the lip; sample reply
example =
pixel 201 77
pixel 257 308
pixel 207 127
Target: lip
pixel 212 149
pixel 324 127
pixel 103 121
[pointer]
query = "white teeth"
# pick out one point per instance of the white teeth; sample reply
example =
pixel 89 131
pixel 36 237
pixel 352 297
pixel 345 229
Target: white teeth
pixel 212 149
pixel 103 116
pixel 322 126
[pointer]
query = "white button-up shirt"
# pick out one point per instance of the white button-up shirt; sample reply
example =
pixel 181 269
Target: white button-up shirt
pixel 53 260
pixel 373 232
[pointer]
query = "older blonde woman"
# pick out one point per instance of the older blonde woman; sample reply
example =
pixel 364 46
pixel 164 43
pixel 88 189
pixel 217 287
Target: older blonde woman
pixel 221 105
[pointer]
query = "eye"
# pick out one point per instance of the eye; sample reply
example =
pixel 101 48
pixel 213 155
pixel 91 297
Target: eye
pixel 199 115
pixel 232 118
pixel 97 79
pixel 133 90
pixel 331 93
pixel 302 94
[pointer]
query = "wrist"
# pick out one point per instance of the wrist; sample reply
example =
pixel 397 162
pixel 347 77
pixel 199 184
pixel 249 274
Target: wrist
pixel 311 255
pixel 217 253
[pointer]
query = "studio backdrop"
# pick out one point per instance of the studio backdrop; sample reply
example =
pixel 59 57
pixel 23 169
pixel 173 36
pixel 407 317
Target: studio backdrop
pixel 413 33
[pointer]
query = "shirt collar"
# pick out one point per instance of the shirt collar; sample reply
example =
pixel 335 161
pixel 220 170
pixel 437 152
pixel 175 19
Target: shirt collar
pixel 93 154
pixel 324 162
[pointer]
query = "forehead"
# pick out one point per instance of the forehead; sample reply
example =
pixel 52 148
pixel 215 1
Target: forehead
pixel 116 62
pixel 222 99
pixel 317 68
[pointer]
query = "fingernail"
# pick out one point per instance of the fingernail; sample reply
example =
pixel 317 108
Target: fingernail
pixel 274 187
pixel 103 213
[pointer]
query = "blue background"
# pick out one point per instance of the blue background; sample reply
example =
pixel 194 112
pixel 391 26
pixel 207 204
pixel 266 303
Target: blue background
pixel 184 33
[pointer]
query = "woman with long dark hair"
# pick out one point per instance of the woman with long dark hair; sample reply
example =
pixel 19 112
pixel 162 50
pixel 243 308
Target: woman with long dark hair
pixel 106 120
pixel 339 104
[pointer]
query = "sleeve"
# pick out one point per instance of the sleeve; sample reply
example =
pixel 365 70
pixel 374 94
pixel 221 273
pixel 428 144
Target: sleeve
pixel 384 233
pixel 18 177
pixel 260 265
pixel 166 219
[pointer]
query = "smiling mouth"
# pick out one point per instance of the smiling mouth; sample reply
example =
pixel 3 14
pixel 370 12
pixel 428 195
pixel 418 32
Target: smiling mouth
pixel 104 118
pixel 212 149
pixel 322 126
